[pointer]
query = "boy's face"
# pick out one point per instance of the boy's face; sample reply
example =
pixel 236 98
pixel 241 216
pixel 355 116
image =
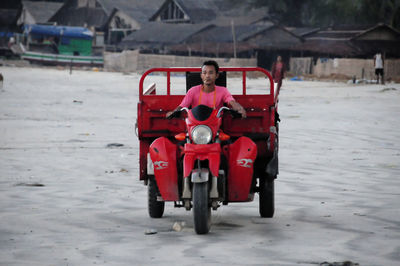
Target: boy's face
pixel 208 75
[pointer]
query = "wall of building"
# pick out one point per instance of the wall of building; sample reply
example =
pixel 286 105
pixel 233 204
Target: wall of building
pixel 343 67
pixel 133 61
pixel 301 65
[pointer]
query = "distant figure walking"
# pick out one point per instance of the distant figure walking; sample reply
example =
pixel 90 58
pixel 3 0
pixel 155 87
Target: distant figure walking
pixel 278 71
pixel 378 64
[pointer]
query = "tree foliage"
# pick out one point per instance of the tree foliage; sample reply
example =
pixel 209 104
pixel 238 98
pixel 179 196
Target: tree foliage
pixel 332 12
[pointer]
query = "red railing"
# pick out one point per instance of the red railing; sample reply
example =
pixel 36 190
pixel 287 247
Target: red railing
pixel 244 70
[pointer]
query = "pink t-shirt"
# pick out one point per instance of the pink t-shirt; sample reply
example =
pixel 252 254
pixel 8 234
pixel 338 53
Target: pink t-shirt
pixel 192 98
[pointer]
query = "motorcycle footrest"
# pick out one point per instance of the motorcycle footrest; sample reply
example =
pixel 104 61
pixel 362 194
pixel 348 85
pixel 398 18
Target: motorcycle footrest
pixel 215 205
pixel 188 205
pixel 159 198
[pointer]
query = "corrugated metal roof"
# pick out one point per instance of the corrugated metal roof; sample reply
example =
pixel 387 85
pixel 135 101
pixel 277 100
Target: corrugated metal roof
pixel 199 11
pixel 339 48
pixel 345 32
pixel 69 15
pixel 163 33
pixel 224 33
pixel 212 48
pixel 302 31
pixel 221 12
pixel 345 41
pixel 139 10
pixel 198 4
pixel 219 40
pixel 40 10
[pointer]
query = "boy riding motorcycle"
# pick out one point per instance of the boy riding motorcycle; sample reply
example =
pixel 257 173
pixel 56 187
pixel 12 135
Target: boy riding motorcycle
pixel 208 93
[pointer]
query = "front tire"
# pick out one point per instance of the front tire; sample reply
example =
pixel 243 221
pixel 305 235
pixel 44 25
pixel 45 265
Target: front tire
pixel 201 208
pixel 155 208
pixel 267 198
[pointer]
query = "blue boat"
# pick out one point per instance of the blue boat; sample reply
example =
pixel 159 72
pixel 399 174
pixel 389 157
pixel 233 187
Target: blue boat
pixel 60 45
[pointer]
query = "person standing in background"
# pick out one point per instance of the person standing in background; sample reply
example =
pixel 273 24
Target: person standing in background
pixel 278 71
pixel 378 64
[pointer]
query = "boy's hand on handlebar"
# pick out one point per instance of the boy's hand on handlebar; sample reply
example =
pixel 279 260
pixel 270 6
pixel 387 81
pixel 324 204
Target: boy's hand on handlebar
pixel 242 112
pixel 173 113
pixel 238 108
pixel 237 114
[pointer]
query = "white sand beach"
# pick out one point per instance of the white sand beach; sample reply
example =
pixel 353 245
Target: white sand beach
pixel 66 198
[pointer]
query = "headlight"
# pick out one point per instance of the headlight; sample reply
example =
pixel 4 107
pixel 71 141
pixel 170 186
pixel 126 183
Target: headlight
pixel 201 134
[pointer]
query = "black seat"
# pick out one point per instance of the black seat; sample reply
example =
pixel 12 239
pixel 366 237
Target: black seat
pixel 194 79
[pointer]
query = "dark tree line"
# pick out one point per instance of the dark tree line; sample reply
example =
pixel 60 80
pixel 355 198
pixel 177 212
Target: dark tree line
pixel 15 4
pixel 321 13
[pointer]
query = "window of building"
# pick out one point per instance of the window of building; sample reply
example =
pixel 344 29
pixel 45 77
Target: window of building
pixel 172 13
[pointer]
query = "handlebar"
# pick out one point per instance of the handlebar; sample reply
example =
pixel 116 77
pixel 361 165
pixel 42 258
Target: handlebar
pixel 234 113
pixel 222 109
pixel 176 113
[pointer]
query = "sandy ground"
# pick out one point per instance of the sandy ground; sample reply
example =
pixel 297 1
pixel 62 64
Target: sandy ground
pixel 68 199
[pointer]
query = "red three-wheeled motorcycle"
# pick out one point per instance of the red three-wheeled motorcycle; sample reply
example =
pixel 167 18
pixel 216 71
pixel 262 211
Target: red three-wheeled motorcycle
pixel 202 158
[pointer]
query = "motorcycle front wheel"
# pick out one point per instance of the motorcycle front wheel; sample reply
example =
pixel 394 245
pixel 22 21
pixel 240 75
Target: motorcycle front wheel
pixel 201 208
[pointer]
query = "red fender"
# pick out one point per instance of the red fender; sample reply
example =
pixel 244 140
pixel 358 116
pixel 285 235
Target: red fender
pixel 210 152
pixel 241 156
pixel 163 156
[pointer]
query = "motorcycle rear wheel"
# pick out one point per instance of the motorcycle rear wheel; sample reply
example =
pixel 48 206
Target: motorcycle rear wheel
pixel 267 198
pixel 201 208
pixel 155 208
